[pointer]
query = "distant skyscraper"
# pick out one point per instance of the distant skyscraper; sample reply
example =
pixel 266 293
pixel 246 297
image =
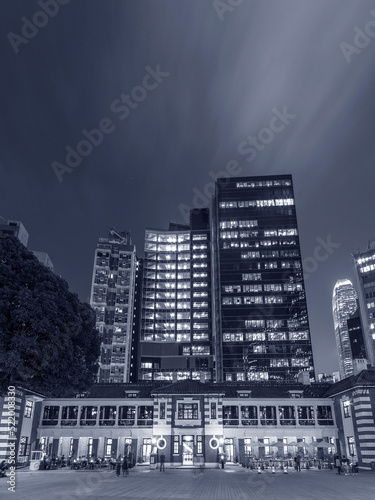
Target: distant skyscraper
pixel 14 228
pixel 44 259
pixel 364 263
pixel 17 229
pixel 344 304
pixel 112 297
pixel 357 343
pixel 261 324
pixel 176 334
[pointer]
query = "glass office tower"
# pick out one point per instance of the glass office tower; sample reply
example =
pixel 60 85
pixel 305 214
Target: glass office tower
pixel 365 269
pixel 344 304
pixel 261 325
pixel 176 333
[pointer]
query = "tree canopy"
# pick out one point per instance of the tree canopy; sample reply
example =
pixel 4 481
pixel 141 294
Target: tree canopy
pixel 48 340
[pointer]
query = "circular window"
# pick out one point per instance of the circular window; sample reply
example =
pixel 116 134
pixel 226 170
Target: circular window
pixel 161 443
pixel 214 443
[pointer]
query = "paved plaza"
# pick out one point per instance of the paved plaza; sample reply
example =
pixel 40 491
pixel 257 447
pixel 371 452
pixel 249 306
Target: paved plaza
pixel 232 483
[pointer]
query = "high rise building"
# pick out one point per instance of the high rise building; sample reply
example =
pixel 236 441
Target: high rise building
pixel 357 343
pixel 344 304
pixel 261 324
pixel 176 333
pixel 112 296
pixel 364 263
pixel 17 229
pixel 14 228
pixel 44 259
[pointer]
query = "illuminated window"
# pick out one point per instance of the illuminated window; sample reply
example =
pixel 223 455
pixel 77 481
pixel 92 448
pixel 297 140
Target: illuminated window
pixel 175 445
pixel 270 265
pixel 259 349
pixel 324 414
pixel 50 415
pixel 69 415
pixel 346 407
pixel 351 445
pixel 28 408
pixel 267 415
pixel 187 411
pixel 88 415
pixel 108 447
pixel 199 445
pixel 279 362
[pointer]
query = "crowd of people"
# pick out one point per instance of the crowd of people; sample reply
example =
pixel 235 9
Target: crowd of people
pixel 83 462
pixel 345 466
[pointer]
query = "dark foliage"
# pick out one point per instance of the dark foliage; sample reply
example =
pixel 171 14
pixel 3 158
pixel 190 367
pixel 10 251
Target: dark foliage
pixel 48 340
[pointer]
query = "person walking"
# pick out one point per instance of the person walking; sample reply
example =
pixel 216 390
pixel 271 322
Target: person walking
pixel 298 463
pixel 118 466
pixel 345 464
pixel 338 464
pixel 162 462
pixel 125 467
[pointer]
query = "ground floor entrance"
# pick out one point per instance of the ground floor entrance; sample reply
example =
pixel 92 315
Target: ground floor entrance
pixel 187 450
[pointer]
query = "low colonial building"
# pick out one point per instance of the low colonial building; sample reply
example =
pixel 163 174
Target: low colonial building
pixel 354 405
pixel 193 423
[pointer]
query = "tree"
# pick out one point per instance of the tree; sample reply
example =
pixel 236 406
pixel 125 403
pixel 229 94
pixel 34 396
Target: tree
pixel 48 339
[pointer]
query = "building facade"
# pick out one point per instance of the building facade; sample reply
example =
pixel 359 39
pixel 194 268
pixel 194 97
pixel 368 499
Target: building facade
pixel 113 298
pixel 20 411
pixel 344 304
pixel 176 333
pixel 194 424
pixel 354 406
pixel 364 263
pixel 261 323
pixel 191 423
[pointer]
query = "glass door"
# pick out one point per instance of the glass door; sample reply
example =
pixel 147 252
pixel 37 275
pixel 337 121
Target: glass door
pixel 187 450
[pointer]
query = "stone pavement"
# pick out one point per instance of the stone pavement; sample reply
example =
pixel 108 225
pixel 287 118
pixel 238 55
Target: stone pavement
pixel 232 483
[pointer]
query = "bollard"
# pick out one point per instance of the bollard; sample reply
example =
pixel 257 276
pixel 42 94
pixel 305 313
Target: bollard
pixel 259 471
pixel 273 470
pixel 285 469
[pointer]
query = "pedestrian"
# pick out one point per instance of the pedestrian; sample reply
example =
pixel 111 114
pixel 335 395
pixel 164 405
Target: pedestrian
pixel 125 467
pixel 345 464
pixel 338 464
pixel 118 466
pixel 298 463
pixel 162 462
pixel 222 461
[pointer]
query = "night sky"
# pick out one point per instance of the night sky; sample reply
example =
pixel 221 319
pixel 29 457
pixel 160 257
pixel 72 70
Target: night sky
pixel 220 70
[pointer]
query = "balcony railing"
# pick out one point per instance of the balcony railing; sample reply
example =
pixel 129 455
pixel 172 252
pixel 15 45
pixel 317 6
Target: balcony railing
pixel 126 421
pixel 49 421
pixel 306 421
pixel 325 421
pixel 268 421
pixel 144 421
pixel 87 421
pixel 107 421
pixel 249 421
pixel 69 421
pixel 288 421
pixel 231 421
